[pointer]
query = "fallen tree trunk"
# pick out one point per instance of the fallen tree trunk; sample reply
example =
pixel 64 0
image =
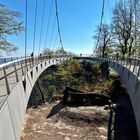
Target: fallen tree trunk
pixel 73 97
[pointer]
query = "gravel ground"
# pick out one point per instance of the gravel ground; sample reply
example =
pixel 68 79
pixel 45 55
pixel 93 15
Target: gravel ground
pixel 54 121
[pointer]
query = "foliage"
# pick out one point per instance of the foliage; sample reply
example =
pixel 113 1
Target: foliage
pixel 60 51
pixel 105 39
pixel 103 86
pixel 92 67
pixel 48 52
pixel 124 30
pixel 74 66
pixel 113 73
pixel 88 78
pixel 8 26
pixel 124 27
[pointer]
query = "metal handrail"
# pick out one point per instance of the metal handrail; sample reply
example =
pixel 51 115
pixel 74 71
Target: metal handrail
pixel 21 66
pixel 10 58
pixel 18 68
pixel 131 63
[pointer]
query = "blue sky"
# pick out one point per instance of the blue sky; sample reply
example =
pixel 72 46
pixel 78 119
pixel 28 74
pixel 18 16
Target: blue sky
pixel 78 21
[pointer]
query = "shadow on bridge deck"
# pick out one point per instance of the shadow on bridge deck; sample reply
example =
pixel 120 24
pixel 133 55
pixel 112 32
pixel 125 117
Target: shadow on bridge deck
pixel 122 123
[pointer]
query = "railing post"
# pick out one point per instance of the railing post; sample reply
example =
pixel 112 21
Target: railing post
pixel 4 60
pixel 30 61
pixel 36 60
pixel 16 72
pixel 6 81
pixel 22 68
pixel 26 65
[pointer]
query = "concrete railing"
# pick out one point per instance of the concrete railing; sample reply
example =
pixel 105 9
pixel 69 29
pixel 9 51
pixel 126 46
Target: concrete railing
pixel 11 72
pixel 8 59
pixel 131 63
pixel 19 77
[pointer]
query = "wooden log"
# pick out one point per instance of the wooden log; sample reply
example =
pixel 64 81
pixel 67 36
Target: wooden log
pixel 74 97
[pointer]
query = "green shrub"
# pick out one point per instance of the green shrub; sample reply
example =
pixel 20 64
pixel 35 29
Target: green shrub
pixel 74 66
pixel 91 67
pixel 95 68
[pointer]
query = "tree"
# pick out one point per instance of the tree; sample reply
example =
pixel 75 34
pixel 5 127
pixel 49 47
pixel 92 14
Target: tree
pixel 105 39
pixel 48 52
pixel 61 51
pixel 136 5
pixel 8 26
pixel 124 27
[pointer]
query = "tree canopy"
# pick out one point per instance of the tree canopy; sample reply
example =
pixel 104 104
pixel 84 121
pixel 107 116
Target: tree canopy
pixel 9 25
pixel 105 39
pixel 124 30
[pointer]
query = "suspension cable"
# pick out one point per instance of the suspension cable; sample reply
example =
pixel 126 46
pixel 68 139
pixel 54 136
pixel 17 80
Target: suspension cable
pixel 26 10
pixel 52 33
pixel 109 10
pixel 124 4
pixel 41 26
pixel 58 25
pixel 135 5
pixel 59 43
pixel 35 26
pixel 104 19
pixel 102 14
pixel 46 35
pixel 55 41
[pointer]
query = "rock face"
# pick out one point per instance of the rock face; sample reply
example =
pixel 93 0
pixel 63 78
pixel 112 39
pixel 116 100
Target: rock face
pixel 43 89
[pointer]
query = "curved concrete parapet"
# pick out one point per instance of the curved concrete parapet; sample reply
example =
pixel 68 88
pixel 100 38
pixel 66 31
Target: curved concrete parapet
pixel 132 82
pixel 13 109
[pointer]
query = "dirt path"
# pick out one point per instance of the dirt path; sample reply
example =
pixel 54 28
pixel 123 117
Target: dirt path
pixel 70 123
